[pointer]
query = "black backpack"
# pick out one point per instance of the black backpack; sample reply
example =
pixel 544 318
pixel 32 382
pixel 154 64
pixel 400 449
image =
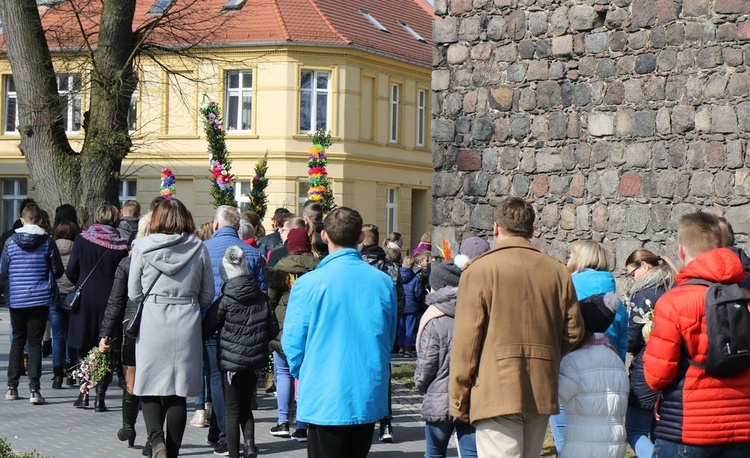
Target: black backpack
pixel 727 327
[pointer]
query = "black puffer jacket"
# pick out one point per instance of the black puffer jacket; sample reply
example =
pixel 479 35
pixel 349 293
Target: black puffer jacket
pixel 246 323
pixel 117 303
pixel 375 256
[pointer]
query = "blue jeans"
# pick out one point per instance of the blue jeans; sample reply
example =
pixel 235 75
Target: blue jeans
pixel 438 435
pixel 666 449
pixel 639 424
pixel 217 395
pixel 557 425
pixel 407 330
pixel 62 355
pixel 284 389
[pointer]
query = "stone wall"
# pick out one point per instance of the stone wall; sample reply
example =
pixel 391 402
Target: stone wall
pixel 613 117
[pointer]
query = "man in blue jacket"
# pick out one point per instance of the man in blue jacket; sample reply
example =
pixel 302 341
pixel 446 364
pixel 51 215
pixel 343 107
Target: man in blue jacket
pixel 31 263
pixel 226 223
pixel 338 333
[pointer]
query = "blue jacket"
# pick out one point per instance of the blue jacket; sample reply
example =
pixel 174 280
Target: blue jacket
pixel 412 290
pixel 218 244
pixel 31 263
pixel 589 282
pixel 338 333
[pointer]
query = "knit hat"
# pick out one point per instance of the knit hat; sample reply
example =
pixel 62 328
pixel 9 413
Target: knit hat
pixel 233 264
pixel 598 311
pixel 473 247
pixel 297 241
pixel 444 274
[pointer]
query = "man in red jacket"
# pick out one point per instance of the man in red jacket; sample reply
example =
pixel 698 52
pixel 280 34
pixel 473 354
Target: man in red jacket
pixel 700 416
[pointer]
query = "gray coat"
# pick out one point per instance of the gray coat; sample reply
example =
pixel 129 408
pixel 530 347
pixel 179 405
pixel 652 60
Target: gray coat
pixel 433 357
pixel 64 246
pixel 168 350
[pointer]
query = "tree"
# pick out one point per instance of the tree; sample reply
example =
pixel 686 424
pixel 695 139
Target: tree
pixel 106 38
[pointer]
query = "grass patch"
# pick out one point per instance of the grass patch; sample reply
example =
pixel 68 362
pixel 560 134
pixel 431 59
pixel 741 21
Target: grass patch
pixel 403 374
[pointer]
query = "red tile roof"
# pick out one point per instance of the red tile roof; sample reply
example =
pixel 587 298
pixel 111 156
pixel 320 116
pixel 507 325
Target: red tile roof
pixel 315 22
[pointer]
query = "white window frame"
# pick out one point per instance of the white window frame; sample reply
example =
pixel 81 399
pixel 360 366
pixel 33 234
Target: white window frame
pixel 13 199
pixel 133 112
pixel 373 21
pixel 123 193
pixel 395 106
pixel 9 95
pixel 242 193
pixel 412 32
pixel 240 91
pixel 391 210
pixel 421 116
pixel 160 7
pixel 71 101
pixel 314 91
pixel 233 5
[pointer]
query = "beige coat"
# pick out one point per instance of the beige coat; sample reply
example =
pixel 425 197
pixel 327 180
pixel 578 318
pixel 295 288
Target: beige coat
pixel 517 315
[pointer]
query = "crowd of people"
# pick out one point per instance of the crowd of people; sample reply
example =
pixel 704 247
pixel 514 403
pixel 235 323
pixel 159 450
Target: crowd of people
pixel 508 341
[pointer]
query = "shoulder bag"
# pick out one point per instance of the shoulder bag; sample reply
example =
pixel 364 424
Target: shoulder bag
pixel 132 324
pixel 72 300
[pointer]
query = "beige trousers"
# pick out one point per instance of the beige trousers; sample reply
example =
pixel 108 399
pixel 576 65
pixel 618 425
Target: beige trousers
pixel 511 436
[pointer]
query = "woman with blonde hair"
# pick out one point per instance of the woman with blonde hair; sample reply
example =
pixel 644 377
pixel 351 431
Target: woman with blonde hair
pixel 425 244
pixel 652 276
pixel 589 271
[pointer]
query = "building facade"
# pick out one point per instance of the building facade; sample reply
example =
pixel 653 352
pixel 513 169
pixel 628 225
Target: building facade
pixel 340 72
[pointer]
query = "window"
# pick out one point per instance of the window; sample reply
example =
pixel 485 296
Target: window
pixel 69 88
pixel 391 210
pixel 412 32
pixel 160 6
pixel 231 5
pixel 313 109
pixel 421 109
pixel 14 191
pixel 133 113
pixel 373 21
pixel 239 103
pixel 10 117
pixel 302 196
pixel 395 108
pixel 128 190
pixel 242 194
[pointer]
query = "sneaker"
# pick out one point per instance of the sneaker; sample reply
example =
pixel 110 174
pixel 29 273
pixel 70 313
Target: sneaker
pixel 11 394
pixel 386 433
pixel 281 430
pixel 36 397
pixel 199 419
pixel 300 435
pixel 221 449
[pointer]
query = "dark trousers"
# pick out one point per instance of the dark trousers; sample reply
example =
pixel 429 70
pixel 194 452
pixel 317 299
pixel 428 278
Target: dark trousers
pixel 238 399
pixel 351 441
pixel 157 409
pixel 28 328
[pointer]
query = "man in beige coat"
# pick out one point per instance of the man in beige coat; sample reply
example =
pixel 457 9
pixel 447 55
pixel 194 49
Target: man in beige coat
pixel 516 316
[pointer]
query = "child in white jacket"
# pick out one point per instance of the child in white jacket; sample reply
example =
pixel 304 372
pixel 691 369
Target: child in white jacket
pixel 594 387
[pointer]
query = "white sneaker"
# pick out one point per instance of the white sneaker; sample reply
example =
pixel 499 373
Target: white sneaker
pixel 199 419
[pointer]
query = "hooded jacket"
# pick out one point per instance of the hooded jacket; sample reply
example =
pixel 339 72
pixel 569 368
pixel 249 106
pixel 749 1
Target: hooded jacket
pixel 65 247
pixel 246 324
pixel 128 228
pixel 588 282
pixel 695 409
pixel 375 256
pixel 433 357
pixel 31 263
pixel 412 290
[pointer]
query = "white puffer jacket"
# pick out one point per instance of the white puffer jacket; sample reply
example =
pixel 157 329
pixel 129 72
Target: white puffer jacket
pixel 594 392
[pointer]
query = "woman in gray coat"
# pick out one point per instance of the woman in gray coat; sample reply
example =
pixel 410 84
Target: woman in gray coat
pixel 176 267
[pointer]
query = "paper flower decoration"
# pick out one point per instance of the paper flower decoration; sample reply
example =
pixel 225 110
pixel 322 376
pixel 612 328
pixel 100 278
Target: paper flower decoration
pixel 167 189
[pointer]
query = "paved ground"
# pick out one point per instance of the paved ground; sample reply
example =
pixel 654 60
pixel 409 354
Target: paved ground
pixel 58 429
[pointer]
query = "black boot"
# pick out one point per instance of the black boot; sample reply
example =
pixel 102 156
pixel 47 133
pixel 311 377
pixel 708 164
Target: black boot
pixel 82 401
pixel 130 405
pixel 250 450
pixel 70 380
pixel 101 392
pixel 57 379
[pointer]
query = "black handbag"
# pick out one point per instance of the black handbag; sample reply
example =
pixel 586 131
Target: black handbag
pixel 131 325
pixel 72 300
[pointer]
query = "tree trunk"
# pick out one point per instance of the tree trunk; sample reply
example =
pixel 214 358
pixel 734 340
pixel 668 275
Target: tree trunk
pixel 54 168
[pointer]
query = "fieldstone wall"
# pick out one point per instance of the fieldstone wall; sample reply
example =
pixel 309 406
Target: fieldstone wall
pixel 613 117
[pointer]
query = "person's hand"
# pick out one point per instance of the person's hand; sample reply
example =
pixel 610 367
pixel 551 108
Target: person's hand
pixel 104 345
pixel 464 418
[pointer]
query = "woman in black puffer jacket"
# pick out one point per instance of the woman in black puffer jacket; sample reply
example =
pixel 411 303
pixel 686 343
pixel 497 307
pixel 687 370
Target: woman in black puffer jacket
pixel 652 276
pixel 246 325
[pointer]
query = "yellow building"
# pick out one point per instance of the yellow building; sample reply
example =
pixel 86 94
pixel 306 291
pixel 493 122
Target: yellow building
pixel 280 70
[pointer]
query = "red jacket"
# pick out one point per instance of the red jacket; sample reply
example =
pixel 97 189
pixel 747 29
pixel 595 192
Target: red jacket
pixel 696 409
